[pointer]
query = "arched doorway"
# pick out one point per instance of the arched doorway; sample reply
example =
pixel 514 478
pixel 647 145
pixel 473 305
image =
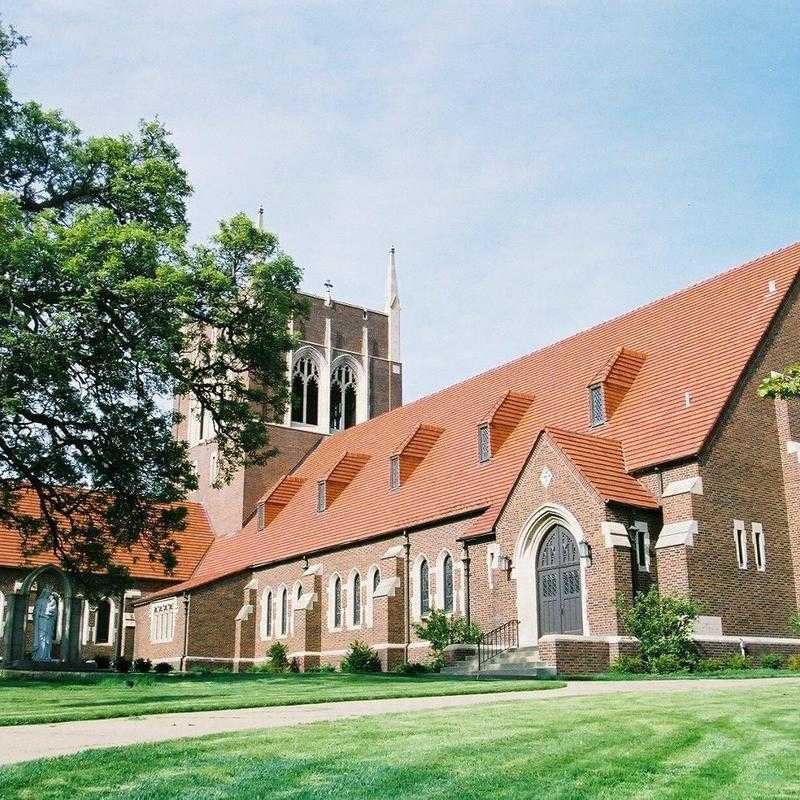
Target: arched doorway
pixel 558 583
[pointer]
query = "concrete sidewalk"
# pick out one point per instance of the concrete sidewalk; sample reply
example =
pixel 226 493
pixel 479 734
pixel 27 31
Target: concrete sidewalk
pixel 27 742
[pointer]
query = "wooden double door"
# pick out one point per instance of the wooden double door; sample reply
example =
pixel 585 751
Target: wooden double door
pixel 558 583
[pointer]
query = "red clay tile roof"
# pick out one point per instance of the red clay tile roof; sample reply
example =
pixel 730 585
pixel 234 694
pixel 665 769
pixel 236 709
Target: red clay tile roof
pixel 698 340
pixel 600 463
pixel 193 542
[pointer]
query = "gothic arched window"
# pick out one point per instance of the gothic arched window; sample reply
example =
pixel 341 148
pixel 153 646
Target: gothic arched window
pixel 424 589
pixel 447 575
pixel 102 628
pixel 356 599
pixel 284 612
pixel 267 612
pixel 376 580
pixel 305 391
pixel 337 602
pixel 343 397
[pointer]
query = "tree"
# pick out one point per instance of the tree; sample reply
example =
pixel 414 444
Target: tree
pixel 105 309
pixel 784 385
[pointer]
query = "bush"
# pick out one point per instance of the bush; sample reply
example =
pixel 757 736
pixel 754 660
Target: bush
pixel 627 665
pixel 712 665
pixel 103 662
pixel 793 663
pixel 441 630
pixel 123 665
pixel 361 658
pixel 731 663
pixel 142 665
pixel 162 668
pixel 663 625
pixel 277 657
pixel 668 664
pixel 411 668
pixel 794 623
pixel 771 661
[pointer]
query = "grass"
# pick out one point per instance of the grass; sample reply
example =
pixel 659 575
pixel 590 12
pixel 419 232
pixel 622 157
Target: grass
pixel 732 743
pixel 62 698
pixel 729 674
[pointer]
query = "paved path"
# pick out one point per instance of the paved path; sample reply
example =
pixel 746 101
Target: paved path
pixel 27 742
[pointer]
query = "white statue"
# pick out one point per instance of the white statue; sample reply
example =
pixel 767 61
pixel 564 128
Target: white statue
pixel 45 617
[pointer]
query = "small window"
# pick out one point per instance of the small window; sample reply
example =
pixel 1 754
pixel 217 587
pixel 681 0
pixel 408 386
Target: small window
pixel 642 547
pixel 484 445
pixel 337 602
pixel 447 575
pixel 284 612
pixel 394 472
pixel 597 406
pixel 740 542
pixel 424 589
pixel 321 496
pixel 267 611
pixel 356 599
pixel 758 546
pixel 376 580
pixel 260 519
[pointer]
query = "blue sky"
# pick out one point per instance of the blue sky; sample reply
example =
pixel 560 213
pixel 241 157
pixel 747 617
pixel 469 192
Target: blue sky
pixel 540 167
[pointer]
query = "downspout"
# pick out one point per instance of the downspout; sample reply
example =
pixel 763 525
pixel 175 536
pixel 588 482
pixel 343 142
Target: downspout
pixel 407 592
pixel 465 560
pixel 185 630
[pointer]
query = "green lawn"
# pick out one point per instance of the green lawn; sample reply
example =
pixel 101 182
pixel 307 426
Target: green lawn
pixel 737 674
pixel 47 699
pixel 733 744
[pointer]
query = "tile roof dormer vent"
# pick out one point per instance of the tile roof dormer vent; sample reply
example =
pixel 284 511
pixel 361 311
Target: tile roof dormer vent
pixel 411 453
pixel 339 478
pixel 500 422
pixel 277 498
pixel 608 388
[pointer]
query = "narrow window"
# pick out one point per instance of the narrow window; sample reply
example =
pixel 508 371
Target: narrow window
pixel 337 603
pixel 305 391
pixel 343 397
pixel 299 593
pixel 284 612
pixel 376 580
pixel 740 542
pixel 642 547
pixel 102 630
pixel 394 472
pixel 424 589
pixel 758 546
pixel 447 575
pixel 356 599
pixel 484 445
pixel 268 614
pixel 596 401
pixel 321 496
pixel 260 517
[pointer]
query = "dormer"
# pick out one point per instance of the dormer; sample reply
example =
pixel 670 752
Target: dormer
pixel 277 499
pixel 500 423
pixel 608 388
pixel 410 454
pixel 339 478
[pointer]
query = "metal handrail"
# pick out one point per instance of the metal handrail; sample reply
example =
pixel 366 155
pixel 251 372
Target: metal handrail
pixel 498 641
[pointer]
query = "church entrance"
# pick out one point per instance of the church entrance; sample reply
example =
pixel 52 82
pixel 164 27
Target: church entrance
pixel 558 583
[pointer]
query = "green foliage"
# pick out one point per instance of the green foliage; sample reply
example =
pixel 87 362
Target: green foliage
pixel 102 661
pixel 793 662
pixel 735 662
pixel 142 665
pixel 627 665
pixel 411 668
pixel 278 662
pixel 771 661
pixel 123 665
pixel 668 664
pixel 162 668
pixel 663 625
pixel 361 658
pixel 785 385
pixel 105 308
pixel 442 629
pixel 794 623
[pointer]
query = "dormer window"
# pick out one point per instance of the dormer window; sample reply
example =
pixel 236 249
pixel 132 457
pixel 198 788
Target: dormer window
pixel 597 406
pixel 484 444
pixel 320 496
pixel 260 520
pixel 394 472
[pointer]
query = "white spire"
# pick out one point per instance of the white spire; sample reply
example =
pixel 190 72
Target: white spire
pixel 393 308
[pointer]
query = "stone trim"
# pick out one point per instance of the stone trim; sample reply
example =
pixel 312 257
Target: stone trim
pixel 693 485
pixel 396 551
pixel 244 613
pixel 387 587
pixel 793 448
pixel 313 569
pixel 677 533
pixel 615 535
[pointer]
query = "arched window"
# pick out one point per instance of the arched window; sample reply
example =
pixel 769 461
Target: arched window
pixel 343 397
pixel 284 612
pixel 102 625
pixel 447 582
pixel 424 589
pixel 356 599
pixel 376 580
pixel 267 612
pixel 305 391
pixel 337 602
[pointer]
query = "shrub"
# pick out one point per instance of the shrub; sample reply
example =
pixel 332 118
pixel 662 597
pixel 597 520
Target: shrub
pixel 441 630
pixel 103 662
pixel 667 664
pixel 663 625
pixel 277 657
pixel 737 661
pixel 162 668
pixel 122 665
pixel 794 623
pixel 361 658
pixel 411 668
pixel 294 665
pixel 771 661
pixel 628 665
pixel 142 665
pixel 711 665
pixel 793 663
